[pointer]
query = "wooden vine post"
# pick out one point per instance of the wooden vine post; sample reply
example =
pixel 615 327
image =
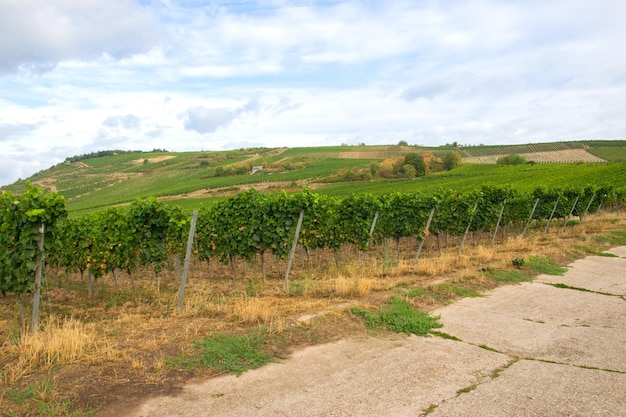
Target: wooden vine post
pixel 552 215
pixel 530 218
pixel 372 227
pixel 587 209
pixel 421 245
pixel 570 213
pixel 293 249
pixel 38 275
pixel 493 240
pixel 183 280
pixel 469 224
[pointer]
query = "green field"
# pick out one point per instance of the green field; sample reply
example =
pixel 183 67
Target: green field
pixel 522 177
pixel 613 154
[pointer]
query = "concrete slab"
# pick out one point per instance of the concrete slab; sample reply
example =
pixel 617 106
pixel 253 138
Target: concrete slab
pixel 530 388
pixel 346 378
pixel 595 273
pixel 539 321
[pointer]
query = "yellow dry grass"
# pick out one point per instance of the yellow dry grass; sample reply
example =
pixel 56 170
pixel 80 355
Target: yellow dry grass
pixel 59 342
pixel 63 341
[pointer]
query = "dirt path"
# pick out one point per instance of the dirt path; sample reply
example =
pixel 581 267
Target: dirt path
pixel 526 350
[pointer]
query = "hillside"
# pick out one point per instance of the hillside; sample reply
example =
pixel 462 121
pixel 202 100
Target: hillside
pixel 190 179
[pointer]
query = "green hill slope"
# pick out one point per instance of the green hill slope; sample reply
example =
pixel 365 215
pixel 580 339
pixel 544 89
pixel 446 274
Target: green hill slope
pixel 190 179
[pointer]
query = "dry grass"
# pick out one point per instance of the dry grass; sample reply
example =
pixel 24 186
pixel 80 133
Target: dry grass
pixel 259 311
pixel 64 341
pixel 59 342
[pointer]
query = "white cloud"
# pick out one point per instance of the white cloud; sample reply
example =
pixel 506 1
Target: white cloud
pixel 190 74
pixel 37 34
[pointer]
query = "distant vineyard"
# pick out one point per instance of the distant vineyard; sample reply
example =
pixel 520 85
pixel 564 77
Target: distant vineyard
pixel 561 156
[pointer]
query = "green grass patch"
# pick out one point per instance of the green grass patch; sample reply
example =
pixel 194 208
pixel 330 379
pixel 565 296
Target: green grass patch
pixel 39 399
pixel 430 409
pixel 401 317
pixel 616 238
pixel 20 396
pixel 509 276
pixel 443 293
pixel 457 290
pixel 594 251
pixel 544 265
pixel 222 353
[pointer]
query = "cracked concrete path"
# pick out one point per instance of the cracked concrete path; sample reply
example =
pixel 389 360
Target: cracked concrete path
pixel 525 350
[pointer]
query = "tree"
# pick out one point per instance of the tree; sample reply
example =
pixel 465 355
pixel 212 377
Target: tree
pixel 403 143
pixel 418 162
pixel 451 160
pixel 408 171
pixel 513 159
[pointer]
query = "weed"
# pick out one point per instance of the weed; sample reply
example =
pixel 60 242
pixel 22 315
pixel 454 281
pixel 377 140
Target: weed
pixel 399 316
pixel 250 289
pixel 445 335
pixel 389 261
pixel 518 262
pixel 614 238
pixel 39 398
pixel 296 288
pixel 496 372
pixel 568 287
pixel 19 397
pixel 460 291
pixel 508 276
pixel 222 353
pixel 594 251
pixel 372 320
pixel 483 346
pixel 466 389
pixel 419 292
pixel 545 265
pixel 430 409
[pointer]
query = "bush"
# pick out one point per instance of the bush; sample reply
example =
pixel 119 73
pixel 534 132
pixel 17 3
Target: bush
pixel 513 159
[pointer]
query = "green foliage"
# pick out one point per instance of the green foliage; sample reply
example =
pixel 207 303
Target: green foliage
pixel 149 222
pixel 417 161
pixel 451 160
pixel 399 316
pixel 252 223
pixel 21 218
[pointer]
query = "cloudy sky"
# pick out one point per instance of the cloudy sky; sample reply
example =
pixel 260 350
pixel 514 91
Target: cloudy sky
pixel 84 75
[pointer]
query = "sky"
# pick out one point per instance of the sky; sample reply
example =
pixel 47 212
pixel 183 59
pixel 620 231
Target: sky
pixel 78 76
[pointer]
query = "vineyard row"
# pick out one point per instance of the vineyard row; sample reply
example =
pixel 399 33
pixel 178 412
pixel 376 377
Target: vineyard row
pixel 250 224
